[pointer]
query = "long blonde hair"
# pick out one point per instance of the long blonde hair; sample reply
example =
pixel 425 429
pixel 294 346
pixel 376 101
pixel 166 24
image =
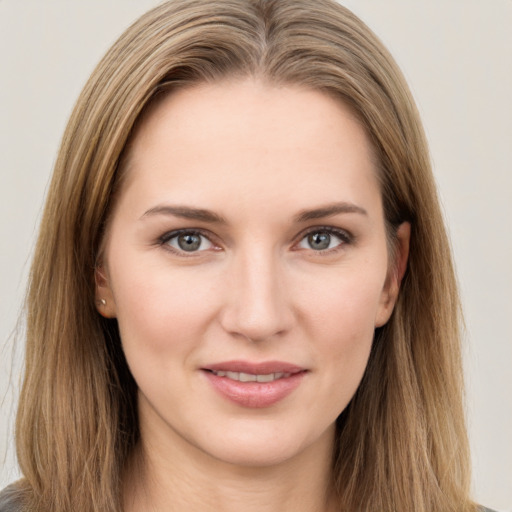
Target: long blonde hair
pixel 401 443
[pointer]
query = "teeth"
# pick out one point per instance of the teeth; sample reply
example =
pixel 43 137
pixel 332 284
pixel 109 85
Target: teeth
pixel 265 378
pixel 249 377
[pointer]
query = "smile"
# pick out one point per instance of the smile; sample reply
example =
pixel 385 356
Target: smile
pixel 249 377
pixel 254 385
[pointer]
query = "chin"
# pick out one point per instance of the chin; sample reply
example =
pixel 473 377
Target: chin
pixel 256 455
pixel 260 447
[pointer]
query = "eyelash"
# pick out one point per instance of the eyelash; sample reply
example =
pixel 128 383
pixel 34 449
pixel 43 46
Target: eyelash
pixel 167 237
pixel 344 236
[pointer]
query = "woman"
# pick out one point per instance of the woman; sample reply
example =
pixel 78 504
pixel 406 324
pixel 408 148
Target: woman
pixel 249 298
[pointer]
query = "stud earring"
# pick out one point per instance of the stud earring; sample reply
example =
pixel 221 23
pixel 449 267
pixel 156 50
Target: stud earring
pixel 102 302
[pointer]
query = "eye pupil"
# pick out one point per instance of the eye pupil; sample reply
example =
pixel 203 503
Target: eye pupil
pixel 319 240
pixel 189 242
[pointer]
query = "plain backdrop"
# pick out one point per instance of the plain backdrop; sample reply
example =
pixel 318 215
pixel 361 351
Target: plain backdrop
pixel 457 57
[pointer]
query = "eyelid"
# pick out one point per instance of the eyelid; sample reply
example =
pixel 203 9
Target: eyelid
pixel 169 235
pixel 345 236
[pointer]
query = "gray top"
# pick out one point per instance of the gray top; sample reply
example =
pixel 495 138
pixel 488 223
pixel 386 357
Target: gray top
pixel 9 501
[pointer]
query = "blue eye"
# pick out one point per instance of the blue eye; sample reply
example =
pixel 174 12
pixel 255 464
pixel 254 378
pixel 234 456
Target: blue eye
pixel 323 239
pixel 187 241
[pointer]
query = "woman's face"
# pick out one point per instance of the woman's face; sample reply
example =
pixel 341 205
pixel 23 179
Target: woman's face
pixel 246 263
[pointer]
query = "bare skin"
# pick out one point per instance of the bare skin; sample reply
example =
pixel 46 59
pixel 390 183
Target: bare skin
pixel 248 238
pixel 155 484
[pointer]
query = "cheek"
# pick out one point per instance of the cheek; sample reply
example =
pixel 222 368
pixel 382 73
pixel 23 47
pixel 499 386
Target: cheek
pixel 348 337
pixel 347 303
pixel 159 310
pixel 342 321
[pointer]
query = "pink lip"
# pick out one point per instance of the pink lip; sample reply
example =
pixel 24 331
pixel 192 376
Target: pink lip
pixel 255 394
pixel 262 368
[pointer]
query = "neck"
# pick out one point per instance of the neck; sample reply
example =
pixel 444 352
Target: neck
pixel 164 476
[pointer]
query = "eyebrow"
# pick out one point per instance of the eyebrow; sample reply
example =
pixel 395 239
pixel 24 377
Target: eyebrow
pixel 186 212
pixel 203 215
pixel 329 211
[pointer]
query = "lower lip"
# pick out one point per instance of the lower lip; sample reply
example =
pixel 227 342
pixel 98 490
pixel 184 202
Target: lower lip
pixel 255 394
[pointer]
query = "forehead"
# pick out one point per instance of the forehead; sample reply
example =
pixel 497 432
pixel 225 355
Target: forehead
pixel 246 136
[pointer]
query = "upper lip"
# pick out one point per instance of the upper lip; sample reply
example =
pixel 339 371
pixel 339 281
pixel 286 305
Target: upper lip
pixel 262 368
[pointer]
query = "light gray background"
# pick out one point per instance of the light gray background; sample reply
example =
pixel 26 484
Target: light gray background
pixel 457 56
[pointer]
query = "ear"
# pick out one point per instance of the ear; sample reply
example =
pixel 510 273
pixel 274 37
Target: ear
pixel 105 303
pixel 395 274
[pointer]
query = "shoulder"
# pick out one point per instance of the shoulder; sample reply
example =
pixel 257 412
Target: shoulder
pixel 10 499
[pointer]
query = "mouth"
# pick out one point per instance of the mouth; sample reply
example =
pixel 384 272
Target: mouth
pixel 254 385
pixel 250 377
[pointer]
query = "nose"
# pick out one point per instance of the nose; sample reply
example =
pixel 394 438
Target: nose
pixel 257 305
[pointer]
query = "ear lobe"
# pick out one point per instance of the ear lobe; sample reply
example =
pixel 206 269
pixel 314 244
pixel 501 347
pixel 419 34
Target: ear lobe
pixel 395 275
pixel 105 304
